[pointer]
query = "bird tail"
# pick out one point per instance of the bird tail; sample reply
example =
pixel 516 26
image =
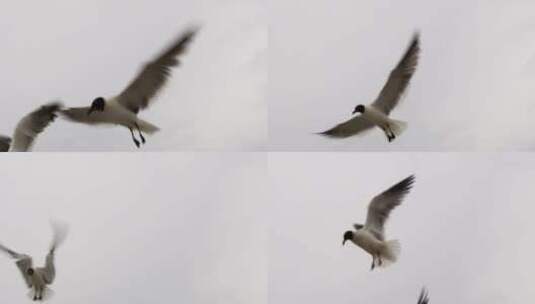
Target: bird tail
pixel 390 252
pixel 146 126
pixel 397 126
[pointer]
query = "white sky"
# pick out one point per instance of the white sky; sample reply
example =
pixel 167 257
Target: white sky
pixel 466 228
pixel 473 89
pixel 78 50
pixel 151 228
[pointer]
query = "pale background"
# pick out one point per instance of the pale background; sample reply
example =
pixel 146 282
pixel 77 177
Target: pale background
pixel 151 228
pixel 466 228
pixel 473 89
pixel 78 50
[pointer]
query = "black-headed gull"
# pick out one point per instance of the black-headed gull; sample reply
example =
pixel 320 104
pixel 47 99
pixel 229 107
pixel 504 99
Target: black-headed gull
pixel 123 108
pixel 29 127
pixel 38 278
pixel 376 113
pixel 370 236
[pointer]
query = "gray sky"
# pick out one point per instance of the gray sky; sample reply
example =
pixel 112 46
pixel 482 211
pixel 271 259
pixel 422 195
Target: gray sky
pixel 76 51
pixel 465 228
pixel 473 89
pixel 152 228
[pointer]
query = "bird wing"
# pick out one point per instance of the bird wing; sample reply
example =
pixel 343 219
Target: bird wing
pixel 5 142
pixel 79 114
pixel 24 263
pixel 154 75
pixel 60 231
pixel 424 297
pixel 32 125
pixel 348 128
pixel 11 253
pixel 399 78
pixel 48 273
pixel 381 205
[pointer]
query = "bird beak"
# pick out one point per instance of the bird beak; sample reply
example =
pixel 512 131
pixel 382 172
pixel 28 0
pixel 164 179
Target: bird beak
pixel 354 111
pixel 91 110
pixel 343 242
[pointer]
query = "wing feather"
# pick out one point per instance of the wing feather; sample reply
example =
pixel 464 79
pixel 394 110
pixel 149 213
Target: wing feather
pixel 399 78
pixel 31 125
pixel 348 128
pixel 380 207
pixel 154 75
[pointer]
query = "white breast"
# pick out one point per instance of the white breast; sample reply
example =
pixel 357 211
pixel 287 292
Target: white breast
pixel 375 116
pixel 366 241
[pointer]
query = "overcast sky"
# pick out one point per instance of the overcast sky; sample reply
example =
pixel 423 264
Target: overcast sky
pixel 466 228
pixel 78 50
pixel 473 89
pixel 157 228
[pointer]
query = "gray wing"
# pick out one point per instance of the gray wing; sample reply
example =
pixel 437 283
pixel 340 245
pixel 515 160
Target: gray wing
pixel 31 125
pixel 424 297
pixel 25 263
pixel 11 253
pixel 5 143
pixel 351 127
pixel 48 273
pixel 399 78
pixel 380 207
pixel 79 114
pixel 154 75
pixel 60 231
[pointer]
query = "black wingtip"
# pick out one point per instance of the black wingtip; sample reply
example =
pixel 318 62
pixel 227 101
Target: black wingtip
pixel 405 185
pixel 424 297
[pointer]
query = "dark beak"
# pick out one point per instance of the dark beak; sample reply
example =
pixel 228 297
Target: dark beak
pixel 354 111
pixel 343 242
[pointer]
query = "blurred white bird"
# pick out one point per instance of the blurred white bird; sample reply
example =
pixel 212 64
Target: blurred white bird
pixel 38 278
pixel 29 127
pixel 376 114
pixel 370 236
pixel 123 108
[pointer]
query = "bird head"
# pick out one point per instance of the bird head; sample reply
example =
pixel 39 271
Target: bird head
pixel 358 109
pixel 30 271
pixel 97 105
pixel 348 235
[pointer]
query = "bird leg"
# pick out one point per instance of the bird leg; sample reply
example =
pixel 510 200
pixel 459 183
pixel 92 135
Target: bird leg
pixel 389 134
pixel 140 134
pixel 373 262
pixel 134 137
pixel 380 260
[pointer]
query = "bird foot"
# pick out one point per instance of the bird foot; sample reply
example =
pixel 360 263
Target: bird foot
pixel 136 142
pixel 142 138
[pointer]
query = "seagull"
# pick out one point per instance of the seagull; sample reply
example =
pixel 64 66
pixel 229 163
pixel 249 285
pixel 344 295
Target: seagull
pixel 29 127
pixel 370 236
pixel 424 297
pixel 38 278
pixel 123 108
pixel 376 114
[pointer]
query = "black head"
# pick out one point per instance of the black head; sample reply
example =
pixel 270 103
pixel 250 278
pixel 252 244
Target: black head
pixel 30 271
pixel 97 105
pixel 359 109
pixel 348 235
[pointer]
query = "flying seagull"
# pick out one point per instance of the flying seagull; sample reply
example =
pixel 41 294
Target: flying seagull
pixel 370 236
pixel 123 108
pixel 38 278
pixel 376 114
pixel 29 127
pixel 424 297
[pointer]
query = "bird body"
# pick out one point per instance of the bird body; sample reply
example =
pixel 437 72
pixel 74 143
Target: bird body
pixel 38 279
pixel 377 113
pixel 124 107
pixel 370 236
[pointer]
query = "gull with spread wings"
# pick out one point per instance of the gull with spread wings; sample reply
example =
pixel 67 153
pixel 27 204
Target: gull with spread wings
pixel 377 113
pixel 123 108
pixel 38 278
pixel 29 127
pixel 370 236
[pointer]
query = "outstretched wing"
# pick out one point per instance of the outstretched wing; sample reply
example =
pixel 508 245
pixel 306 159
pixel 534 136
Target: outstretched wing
pixel 399 78
pixel 351 127
pixel 424 297
pixel 380 207
pixel 154 75
pixel 31 125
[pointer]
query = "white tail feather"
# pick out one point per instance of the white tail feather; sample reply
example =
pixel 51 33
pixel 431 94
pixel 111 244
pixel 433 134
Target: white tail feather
pixel 390 252
pixel 397 126
pixel 147 127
